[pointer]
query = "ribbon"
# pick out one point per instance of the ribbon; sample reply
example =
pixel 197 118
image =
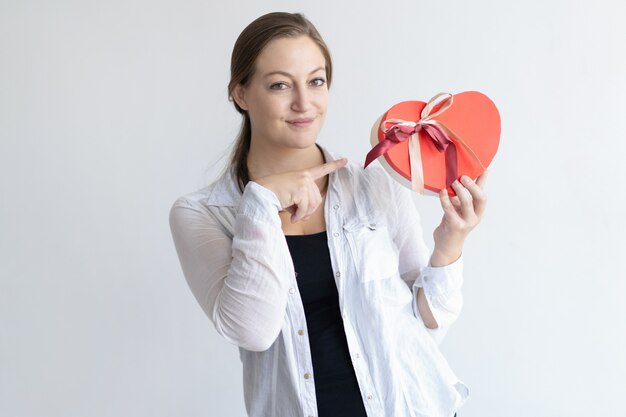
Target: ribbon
pixel 397 131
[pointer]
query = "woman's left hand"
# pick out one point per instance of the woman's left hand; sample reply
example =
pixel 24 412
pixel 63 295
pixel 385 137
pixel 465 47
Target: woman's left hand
pixel 461 214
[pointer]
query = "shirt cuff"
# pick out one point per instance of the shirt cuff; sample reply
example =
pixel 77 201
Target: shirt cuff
pixel 441 279
pixel 259 203
pixel 442 289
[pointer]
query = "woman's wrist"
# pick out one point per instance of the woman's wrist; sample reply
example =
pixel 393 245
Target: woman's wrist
pixel 443 256
pixel 439 259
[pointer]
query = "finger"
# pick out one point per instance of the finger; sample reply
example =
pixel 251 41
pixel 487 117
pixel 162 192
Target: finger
pixel 482 179
pixel 456 202
pixel 479 198
pixel 315 195
pixel 325 169
pixel 465 198
pixel 315 199
pixel 446 203
pixel 301 210
pixel 473 188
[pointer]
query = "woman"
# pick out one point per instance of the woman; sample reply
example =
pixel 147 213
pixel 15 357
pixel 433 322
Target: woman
pixel 314 267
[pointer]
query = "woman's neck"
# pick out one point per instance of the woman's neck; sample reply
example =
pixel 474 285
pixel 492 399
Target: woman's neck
pixel 265 161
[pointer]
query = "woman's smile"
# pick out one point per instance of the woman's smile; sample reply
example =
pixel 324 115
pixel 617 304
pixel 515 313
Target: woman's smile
pixel 301 122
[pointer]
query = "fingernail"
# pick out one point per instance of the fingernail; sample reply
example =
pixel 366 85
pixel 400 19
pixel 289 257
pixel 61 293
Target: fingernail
pixel 465 179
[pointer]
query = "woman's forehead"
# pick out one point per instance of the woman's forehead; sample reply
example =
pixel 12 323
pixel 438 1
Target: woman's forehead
pixel 290 55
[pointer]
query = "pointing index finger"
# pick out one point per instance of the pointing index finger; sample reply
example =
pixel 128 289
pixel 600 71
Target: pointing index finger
pixel 325 169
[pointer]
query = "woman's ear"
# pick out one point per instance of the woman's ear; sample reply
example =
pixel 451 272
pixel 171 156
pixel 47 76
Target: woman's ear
pixel 240 97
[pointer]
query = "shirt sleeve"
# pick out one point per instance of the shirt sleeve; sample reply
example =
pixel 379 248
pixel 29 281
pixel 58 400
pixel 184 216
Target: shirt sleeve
pixel 441 285
pixel 240 283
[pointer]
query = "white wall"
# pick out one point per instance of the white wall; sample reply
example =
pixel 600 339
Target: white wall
pixel 110 110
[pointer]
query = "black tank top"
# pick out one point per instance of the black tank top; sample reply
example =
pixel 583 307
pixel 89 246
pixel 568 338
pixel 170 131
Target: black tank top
pixel 336 387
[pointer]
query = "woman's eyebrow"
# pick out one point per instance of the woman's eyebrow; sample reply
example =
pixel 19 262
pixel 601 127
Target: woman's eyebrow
pixel 286 74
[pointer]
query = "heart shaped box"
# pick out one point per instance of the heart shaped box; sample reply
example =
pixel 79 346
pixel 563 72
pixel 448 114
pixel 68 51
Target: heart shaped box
pixel 473 117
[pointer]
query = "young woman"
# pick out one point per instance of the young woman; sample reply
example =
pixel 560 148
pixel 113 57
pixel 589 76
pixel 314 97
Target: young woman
pixel 314 267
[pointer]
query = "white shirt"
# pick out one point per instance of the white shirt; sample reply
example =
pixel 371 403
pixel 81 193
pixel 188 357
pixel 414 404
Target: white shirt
pixel 235 258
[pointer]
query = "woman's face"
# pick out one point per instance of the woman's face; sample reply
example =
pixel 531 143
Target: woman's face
pixel 287 96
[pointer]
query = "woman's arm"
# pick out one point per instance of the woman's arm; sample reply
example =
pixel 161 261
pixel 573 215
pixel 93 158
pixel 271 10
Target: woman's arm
pixel 435 281
pixel 241 284
pixel 437 287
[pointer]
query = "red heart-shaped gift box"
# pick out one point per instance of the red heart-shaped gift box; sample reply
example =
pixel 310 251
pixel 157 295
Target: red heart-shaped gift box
pixel 472 117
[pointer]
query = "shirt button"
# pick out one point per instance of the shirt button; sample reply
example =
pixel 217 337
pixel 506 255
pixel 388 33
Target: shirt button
pixel 357 356
pixel 336 234
pixel 300 332
pixel 338 274
pixel 292 290
pixel 307 375
pixel 370 396
pixel 336 206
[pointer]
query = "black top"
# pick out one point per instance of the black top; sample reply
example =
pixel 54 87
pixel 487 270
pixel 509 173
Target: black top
pixel 336 387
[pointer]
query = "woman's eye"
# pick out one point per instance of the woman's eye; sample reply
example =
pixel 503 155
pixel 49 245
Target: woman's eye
pixel 278 86
pixel 318 82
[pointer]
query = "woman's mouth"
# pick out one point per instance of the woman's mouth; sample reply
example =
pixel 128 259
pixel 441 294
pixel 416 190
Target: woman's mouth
pixel 301 122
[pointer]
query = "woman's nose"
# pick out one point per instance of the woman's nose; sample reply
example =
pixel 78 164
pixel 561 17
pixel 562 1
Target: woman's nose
pixel 301 100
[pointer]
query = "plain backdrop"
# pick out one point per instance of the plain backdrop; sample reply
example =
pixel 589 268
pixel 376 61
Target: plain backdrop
pixel 110 110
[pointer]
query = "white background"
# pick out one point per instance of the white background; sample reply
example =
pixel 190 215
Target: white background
pixel 110 110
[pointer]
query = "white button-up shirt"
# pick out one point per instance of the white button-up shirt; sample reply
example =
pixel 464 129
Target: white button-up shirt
pixel 235 258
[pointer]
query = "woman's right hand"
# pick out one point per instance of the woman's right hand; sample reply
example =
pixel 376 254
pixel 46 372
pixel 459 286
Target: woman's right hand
pixel 297 191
